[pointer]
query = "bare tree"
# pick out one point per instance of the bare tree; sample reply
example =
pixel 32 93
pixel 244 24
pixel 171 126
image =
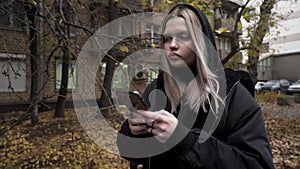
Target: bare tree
pixel 64 9
pixel 105 101
pixel 31 12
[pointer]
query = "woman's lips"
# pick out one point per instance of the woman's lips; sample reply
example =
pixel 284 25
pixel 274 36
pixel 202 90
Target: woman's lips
pixel 173 56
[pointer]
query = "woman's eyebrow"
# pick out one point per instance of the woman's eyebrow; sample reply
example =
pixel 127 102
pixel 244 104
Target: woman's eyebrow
pixel 176 33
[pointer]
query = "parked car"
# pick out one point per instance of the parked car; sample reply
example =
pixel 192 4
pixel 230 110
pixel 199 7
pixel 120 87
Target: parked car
pixel 258 86
pixel 294 88
pixel 276 85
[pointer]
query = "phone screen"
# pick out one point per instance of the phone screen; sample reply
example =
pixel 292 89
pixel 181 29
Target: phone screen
pixel 135 102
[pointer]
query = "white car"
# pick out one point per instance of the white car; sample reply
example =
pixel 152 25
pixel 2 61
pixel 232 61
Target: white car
pixel 294 88
pixel 258 86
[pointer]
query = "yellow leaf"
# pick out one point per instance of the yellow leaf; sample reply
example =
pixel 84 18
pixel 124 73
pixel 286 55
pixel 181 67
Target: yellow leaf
pixel 221 30
pixel 33 2
pixel 143 41
pixel 239 26
pixel 153 45
pixel 169 2
pixel 192 4
pixel 124 48
pixel 218 4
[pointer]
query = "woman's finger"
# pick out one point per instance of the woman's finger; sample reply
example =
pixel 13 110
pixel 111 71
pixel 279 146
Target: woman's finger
pixel 137 128
pixel 136 121
pixel 150 116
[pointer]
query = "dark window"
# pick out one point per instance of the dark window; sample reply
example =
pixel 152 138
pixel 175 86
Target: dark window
pixel 12 15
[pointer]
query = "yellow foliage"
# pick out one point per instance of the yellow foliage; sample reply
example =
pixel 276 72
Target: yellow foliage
pixel 124 48
pixel 222 29
pixel 239 26
pixel 153 45
pixel 169 1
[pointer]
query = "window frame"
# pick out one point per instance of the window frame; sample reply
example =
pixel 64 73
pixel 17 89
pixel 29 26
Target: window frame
pixel 18 59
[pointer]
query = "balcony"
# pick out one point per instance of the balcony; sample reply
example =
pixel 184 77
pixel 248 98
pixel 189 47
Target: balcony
pixel 226 15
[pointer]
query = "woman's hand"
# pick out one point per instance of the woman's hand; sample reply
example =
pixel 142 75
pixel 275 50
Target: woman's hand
pixel 137 123
pixel 162 124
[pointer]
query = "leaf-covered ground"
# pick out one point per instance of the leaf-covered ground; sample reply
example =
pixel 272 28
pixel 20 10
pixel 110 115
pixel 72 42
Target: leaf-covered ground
pixel 54 143
pixel 62 143
pixel 283 127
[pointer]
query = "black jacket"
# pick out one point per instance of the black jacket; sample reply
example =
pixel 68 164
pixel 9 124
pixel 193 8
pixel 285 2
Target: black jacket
pixel 240 140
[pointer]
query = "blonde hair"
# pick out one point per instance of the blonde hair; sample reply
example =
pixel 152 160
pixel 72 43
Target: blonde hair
pixel 205 81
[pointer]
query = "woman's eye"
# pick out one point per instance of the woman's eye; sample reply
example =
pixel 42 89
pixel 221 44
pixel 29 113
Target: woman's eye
pixel 167 38
pixel 184 37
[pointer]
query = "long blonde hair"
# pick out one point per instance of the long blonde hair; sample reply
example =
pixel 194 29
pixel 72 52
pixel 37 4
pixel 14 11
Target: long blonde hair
pixel 205 82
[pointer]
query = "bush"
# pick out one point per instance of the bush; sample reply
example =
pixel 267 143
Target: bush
pixel 270 97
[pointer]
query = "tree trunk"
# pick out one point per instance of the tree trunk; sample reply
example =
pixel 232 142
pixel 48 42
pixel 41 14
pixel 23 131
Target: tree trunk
pixel 60 104
pixel 64 10
pixel 105 100
pixel 33 107
pixel 258 36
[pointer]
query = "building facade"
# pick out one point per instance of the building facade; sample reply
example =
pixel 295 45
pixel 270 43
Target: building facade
pixel 15 67
pixel 282 59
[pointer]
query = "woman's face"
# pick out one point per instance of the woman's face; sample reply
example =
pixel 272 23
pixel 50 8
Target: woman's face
pixel 178 43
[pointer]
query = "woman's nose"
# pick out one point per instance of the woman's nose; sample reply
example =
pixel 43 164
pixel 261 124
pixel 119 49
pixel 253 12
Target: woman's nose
pixel 174 43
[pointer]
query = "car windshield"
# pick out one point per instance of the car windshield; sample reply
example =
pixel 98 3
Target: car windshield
pixel 271 82
pixel 297 82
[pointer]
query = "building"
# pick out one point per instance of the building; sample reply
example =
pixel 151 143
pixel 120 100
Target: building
pixel 15 74
pixel 282 57
pixel 225 17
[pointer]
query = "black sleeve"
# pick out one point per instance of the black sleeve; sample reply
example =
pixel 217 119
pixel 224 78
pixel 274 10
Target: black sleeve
pixel 246 144
pixel 126 145
pixel 124 142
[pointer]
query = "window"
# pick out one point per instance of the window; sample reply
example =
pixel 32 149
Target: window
pixel 121 77
pixel 72 81
pixel 265 64
pixel 12 15
pixel 224 43
pixel 153 38
pixel 12 72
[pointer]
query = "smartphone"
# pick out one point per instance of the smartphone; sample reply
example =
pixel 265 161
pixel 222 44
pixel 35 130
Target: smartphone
pixel 135 102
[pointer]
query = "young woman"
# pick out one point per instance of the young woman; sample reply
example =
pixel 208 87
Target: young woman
pixel 194 125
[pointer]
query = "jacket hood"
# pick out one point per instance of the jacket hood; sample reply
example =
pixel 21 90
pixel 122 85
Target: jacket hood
pixel 203 20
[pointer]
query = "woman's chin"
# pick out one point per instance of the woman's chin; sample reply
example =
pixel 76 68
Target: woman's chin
pixel 177 63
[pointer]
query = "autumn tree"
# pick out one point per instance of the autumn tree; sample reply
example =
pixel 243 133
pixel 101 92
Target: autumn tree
pixel 255 44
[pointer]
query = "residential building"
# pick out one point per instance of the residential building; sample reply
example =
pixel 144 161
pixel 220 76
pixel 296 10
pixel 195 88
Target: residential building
pixel 225 17
pixel 15 74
